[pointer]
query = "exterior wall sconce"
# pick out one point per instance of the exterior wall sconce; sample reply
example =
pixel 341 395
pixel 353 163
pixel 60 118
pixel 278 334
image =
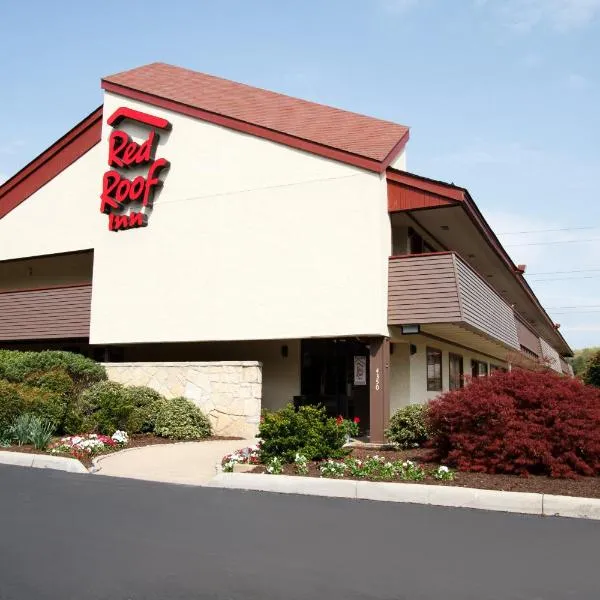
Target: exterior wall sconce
pixel 410 329
pixel 284 351
pixel 413 349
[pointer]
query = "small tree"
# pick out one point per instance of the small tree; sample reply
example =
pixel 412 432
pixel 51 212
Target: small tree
pixel 592 373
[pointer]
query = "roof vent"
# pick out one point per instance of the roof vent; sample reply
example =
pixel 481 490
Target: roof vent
pixel 521 269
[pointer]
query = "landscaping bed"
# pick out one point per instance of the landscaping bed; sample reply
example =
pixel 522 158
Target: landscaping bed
pixel 135 441
pixel 587 487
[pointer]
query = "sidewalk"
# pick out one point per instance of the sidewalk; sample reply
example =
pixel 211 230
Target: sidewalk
pixel 186 462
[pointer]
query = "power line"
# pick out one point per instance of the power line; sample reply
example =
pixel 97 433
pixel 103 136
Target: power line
pixel 548 230
pixel 563 278
pixel 556 242
pixel 561 272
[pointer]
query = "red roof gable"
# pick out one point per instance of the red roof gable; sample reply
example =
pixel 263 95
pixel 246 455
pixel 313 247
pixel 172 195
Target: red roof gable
pixel 349 137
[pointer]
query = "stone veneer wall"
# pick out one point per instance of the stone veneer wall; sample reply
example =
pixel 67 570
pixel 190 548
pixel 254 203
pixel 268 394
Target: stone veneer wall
pixel 228 392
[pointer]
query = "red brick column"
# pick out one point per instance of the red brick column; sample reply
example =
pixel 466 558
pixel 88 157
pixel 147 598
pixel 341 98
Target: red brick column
pixel 379 381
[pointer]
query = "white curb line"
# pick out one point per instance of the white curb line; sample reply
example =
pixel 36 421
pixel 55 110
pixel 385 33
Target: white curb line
pixel 437 495
pixel 42 461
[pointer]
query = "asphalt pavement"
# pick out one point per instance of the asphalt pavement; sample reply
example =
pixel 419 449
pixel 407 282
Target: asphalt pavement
pixel 84 537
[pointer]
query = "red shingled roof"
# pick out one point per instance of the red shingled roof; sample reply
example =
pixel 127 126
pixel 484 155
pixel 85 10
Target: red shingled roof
pixel 350 136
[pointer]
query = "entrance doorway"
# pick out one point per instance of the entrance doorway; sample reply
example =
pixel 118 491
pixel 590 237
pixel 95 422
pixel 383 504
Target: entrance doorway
pixel 335 373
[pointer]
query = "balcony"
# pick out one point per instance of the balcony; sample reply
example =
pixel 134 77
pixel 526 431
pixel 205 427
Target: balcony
pixel 49 313
pixel 444 295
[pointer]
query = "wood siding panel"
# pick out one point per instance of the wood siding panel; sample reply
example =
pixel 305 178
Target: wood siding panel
pixel 551 355
pixel 45 314
pixel 528 339
pixel 422 289
pixel 402 198
pixel 483 308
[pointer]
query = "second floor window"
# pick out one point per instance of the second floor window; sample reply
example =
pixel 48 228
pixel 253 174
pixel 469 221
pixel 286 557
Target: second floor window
pixel 455 368
pixel 434 370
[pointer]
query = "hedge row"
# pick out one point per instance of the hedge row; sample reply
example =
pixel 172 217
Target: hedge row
pixel 72 392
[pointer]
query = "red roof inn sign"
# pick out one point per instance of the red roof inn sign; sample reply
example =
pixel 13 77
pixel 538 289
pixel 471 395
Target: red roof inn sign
pixel 127 201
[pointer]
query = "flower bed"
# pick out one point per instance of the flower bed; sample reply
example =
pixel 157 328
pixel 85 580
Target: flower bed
pixel 89 444
pixel 414 465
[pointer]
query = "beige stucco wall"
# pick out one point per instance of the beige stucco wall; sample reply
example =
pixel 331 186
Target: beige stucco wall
pixel 228 392
pixel 41 272
pixel 280 374
pixel 248 239
pixel 408 374
pixel 62 216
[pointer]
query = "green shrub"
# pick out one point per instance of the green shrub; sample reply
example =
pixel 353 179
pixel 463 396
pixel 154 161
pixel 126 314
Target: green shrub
pixel 181 419
pixel 55 380
pixel 407 426
pixel 16 366
pixel 103 407
pixel 11 405
pixel 146 403
pixel 592 372
pixel 49 406
pixel 29 428
pixel 307 431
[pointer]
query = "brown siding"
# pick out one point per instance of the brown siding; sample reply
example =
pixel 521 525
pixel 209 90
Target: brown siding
pixel 528 339
pixel 59 312
pixel 403 198
pixel 483 308
pixel 422 289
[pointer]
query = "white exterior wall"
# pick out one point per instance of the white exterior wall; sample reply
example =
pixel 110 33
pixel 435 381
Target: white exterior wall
pixel 248 239
pixel 403 365
pixel 62 216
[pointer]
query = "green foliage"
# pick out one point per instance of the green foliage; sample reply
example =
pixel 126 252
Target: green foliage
pixel 49 406
pixel 11 405
pixel 29 428
pixel 307 431
pixel 581 359
pixel 146 403
pixel 592 373
pixel 20 430
pixel 105 407
pixel 41 432
pixel 16 366
pixel 181 419
pixel 407 426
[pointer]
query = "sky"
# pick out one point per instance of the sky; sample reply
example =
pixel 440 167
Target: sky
pixel 502 97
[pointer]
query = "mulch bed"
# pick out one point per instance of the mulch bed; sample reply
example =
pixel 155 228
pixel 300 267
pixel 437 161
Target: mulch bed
pixel 137 440
pixel 587 487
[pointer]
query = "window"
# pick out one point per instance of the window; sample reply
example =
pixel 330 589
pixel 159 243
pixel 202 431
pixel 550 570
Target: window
pixel 479 368
pixel 434 370
pixel 455 368
pixel 497 368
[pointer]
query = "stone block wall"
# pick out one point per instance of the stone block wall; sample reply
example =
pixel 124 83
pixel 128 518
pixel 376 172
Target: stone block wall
pixel 228 392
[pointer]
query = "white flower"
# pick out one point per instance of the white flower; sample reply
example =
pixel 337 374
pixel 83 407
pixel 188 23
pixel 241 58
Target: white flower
pixel 120 437
pixel 443 469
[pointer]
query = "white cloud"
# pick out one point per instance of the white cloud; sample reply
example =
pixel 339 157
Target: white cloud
pixel 560 15
pixel 398 6
pixel 485 153
pixel 577 82
pixel 11 147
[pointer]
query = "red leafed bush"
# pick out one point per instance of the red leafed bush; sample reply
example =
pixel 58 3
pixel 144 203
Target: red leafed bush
pixel 520 422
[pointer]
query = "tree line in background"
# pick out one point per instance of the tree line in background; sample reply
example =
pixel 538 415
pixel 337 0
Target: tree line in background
pixel 586 365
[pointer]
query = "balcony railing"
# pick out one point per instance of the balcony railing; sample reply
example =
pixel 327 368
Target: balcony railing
pixel 441 288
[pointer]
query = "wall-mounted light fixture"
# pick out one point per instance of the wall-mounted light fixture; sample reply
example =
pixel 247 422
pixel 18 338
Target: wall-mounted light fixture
pixel 413 349
pixel 410 329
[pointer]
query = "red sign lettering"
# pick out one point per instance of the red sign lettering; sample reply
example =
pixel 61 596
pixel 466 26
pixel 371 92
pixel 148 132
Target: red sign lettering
pixel 125 200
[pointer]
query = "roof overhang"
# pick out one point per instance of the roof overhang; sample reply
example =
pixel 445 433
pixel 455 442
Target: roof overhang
pixel 453 221
pixel 337 154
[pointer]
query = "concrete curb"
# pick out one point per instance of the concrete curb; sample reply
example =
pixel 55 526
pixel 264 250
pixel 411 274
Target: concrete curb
pixel 436 495
pixel 42 461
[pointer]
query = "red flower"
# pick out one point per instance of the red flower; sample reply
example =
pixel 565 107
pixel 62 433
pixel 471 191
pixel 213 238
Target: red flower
pixel 356 420
pixel 339 419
